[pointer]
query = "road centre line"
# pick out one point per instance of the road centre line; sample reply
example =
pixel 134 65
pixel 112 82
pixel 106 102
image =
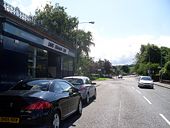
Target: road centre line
pixel 138 91
pixel 120 107
pixel 167 121
pixel 147 100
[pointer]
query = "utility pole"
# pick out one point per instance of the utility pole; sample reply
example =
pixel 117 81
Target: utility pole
pixel 149 71
pixel 161 68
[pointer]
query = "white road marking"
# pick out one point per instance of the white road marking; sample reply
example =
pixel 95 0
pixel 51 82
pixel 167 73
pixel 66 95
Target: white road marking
pixel 147 100
pixel 138 91
pixel 167 121
pixel 120 106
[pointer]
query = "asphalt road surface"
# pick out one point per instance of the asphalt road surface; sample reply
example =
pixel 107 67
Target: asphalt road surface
pixel 121 104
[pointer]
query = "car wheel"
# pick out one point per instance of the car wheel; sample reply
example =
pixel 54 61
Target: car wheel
pixel 87 98
pixel 80 107
pixel 56 120
pixel 95 94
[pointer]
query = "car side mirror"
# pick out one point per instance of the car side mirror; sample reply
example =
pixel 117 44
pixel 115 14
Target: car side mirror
pixel 93 83
pixel 70 91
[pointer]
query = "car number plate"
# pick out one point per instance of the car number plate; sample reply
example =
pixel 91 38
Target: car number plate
pixel 9 119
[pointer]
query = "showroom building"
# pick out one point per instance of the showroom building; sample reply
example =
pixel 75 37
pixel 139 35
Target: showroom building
pixel 28 50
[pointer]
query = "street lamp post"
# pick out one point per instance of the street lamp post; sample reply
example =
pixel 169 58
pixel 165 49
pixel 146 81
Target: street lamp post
pixel 161 68
pixel 76 62
pixel 91 22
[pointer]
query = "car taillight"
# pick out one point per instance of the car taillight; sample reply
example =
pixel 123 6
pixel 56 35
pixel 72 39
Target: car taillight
pixel 39 105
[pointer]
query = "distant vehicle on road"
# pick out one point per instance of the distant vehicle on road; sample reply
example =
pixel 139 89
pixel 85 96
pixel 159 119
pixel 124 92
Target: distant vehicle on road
pixel 120 76
pixel 145 81
pixel 39 103
pixel 85 86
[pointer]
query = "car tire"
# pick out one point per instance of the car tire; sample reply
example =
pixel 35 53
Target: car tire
pixel 95 95
pixel 139 86
pixel 87 99
pixel 80 107
pixel 55 123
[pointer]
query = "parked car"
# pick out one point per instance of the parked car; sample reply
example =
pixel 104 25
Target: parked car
pixel 85 86
pixel 145 81
pixel 39 103
pixel 120 76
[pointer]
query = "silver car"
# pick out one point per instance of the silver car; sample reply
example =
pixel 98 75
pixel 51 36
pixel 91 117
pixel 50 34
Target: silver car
pixel 145 81
pixel 85 86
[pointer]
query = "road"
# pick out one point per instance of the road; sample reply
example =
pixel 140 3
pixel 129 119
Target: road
pixel 121 104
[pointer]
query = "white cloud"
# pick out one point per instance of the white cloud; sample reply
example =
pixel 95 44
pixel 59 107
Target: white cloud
pixel 28 8
pixel 123 50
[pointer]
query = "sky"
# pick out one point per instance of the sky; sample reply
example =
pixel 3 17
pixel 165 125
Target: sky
pixel 121 26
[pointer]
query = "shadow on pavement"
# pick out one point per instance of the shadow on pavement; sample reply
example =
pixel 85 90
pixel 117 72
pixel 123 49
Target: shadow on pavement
pixel 69 122
pixel 91 101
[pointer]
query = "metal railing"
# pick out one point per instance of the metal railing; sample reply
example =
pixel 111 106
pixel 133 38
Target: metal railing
pixel 16 11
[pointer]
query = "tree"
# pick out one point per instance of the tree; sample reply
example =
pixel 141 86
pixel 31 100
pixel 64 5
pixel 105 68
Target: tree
pixel 125 69
pixel 165 71
pixel 55 19
pixel 165 55
pixel 107 67
pixel 148 60
pixel 83 42
pixel 85 65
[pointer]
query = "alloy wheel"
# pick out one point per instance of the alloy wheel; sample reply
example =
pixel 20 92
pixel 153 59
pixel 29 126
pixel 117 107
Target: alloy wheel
pixel 87 99
pixel 80 107
pixel 56 121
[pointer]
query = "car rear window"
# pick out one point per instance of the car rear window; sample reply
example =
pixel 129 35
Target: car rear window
pixel 32 85
pixel 75 81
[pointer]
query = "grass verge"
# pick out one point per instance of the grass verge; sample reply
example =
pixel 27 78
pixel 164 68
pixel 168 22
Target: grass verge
pixel 100 79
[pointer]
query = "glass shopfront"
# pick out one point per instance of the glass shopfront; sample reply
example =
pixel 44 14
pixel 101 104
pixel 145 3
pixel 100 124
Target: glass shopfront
pixel 20 60
pixel 27 55
pixel 37 62
pixel 13 61
pixel 67 66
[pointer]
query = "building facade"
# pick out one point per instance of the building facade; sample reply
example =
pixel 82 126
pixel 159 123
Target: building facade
pixel 27 50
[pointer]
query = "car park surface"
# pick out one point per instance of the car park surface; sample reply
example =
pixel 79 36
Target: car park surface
pixel 39 103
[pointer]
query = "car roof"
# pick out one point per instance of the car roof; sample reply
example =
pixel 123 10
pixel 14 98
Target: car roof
pixel 33 79
pixel 144 76
pixel 79 77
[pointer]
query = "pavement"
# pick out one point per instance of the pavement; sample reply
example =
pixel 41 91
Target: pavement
pixel 162 85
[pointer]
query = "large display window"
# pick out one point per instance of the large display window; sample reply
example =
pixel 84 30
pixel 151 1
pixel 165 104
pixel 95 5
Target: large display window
pixel 67 65
pixel 37 62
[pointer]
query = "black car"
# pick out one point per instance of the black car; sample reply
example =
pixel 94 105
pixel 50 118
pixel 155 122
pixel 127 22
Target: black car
pixel 39 103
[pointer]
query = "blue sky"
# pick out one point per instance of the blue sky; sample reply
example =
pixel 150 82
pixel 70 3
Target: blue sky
pixel 121 26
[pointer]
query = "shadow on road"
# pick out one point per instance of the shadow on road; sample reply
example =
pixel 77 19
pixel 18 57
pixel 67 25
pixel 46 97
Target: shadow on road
pixel 69 122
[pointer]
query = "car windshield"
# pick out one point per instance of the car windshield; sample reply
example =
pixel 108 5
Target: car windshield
pixel 75 81
pixel 146 78
pixel 32 85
